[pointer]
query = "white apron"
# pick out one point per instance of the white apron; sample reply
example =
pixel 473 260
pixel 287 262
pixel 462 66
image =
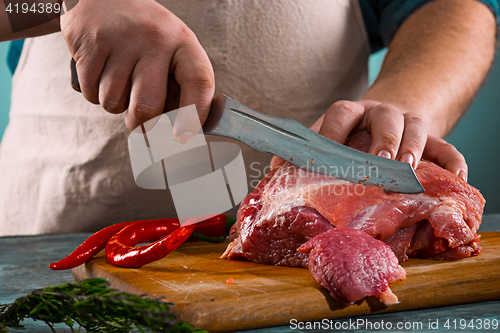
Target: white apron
pixel 64 163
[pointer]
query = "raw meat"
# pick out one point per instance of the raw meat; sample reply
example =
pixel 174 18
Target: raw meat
pixel 352 265
pixel 291 206
pixel 277 243
pixel 401 241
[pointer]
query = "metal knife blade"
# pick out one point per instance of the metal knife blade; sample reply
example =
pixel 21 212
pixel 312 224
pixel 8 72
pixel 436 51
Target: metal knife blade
pixel 305 148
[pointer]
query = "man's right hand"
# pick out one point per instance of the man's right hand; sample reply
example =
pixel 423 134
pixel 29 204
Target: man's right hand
pixel 125 50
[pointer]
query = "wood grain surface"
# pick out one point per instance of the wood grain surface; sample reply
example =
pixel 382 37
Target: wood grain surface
pixel 195 279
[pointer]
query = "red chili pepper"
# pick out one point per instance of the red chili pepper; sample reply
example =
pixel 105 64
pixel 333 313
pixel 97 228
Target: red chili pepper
pixel 213 227
pixel 89 248
pixel 95 243
pixel 121 249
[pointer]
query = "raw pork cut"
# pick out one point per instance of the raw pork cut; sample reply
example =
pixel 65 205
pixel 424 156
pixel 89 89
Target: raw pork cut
pixel 291 206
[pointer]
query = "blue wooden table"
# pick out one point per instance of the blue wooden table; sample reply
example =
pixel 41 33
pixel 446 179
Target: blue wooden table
pixel 24 267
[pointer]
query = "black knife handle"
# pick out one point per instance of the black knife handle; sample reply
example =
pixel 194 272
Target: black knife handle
pixel 74 76
pixel 173 88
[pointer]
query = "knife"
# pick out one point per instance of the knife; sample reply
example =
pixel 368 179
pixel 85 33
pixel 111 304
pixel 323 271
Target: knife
pixel 305 148
pixel 295 143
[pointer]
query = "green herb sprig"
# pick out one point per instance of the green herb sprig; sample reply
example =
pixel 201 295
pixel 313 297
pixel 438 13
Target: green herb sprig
pixel 93 306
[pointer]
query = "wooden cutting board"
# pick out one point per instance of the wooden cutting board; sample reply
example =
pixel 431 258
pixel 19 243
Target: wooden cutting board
pixel 194 278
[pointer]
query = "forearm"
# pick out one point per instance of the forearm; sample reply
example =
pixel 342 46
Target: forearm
pixel 437 61
pixel 29 18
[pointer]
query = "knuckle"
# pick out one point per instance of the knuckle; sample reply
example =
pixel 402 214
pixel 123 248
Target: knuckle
pixel 389 108
pixel 345 109
pixel 344 105
pixel 113 106
pixel 145 110
pixel 452 152
pixel 450 148
pixel 201 78
pixel 414 144
pixel 387 113
pixel 93 42
pixel 457 155
pixel 184 32
pixel 181 33
pixel 156 36
pixel 390 139
pixel 415 120
pixel 415 140
pixel 88 71
pixel 332 131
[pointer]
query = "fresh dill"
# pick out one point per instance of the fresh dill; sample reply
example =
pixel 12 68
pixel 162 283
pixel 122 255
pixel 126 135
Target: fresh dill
pixel 91 305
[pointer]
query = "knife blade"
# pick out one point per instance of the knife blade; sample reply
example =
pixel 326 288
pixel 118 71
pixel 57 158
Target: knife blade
pixel 305 148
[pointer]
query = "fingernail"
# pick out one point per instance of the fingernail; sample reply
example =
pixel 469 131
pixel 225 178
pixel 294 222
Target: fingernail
pixel 184 137
pixel 462 174
pixel 407 158
pixel 384 153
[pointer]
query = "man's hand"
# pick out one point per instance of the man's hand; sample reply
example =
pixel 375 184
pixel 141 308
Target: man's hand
pixel 124 52
pixel 394 134
pixel 433 68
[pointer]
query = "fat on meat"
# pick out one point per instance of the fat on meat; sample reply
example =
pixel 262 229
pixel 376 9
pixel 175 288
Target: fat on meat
pixel 292 206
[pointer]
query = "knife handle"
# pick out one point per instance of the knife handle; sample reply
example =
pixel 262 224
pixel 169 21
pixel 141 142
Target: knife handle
pixel 173 88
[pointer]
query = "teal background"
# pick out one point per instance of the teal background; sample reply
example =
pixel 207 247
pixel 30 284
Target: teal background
pixel 477 135
pixel 5 88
